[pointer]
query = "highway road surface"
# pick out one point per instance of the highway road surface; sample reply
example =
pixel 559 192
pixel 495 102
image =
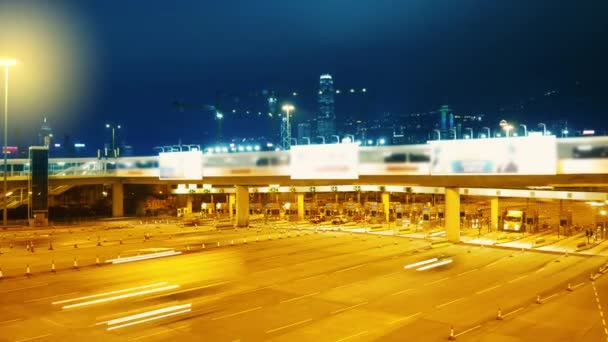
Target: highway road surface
pixel 305 286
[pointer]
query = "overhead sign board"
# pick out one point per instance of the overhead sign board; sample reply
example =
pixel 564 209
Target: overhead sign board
pixel 181 165
pixel 331 161
pixel 512 155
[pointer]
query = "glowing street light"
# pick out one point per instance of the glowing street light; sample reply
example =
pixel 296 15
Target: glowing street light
pixel 525 129
pixel 489 135
pixel 506 127
pixel 7 63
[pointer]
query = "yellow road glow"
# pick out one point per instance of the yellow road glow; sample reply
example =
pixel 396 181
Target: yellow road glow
pixel 143 257
pixel 109 293
pixel 148 313
pixel 441 263
pixel 127 295
pixel 421 263
pixel 148 319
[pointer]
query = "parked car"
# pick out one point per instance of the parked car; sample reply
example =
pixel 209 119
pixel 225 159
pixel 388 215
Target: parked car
pixel 317 219
pixel 341 219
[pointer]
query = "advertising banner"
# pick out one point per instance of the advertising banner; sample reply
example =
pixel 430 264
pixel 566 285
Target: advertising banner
pixel 181 165
pixel 331 161
pixel 534 155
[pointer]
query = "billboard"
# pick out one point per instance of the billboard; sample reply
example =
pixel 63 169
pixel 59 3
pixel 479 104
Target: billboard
pixel 533 155
pixel 331 161
pixel 181 165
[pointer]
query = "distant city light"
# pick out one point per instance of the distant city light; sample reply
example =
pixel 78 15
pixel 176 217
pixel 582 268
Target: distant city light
pixel 338 91
pixel 359 142
pixel 249 148
pixel 241 148
pixel 77 145
pixel 294 94
pixel 256 147
pixel 57 145
pixel 352 90
pixel 382 141
pixel 369 142
pixel 269 144
pixel 363 90
pixel 218 149
pixel 588 132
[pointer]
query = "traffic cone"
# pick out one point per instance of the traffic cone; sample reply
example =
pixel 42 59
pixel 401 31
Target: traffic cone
pixel 50 246
pixel 53 266
pixel 257 239
pixel 75 245
pixel 232 242
pixel 538 301
pixel 1 274
pixel 203 246
pixel 97 260
pixel 269 237
pixel 75 264
pixel 569 288
pixel 27 270
pixel 218 243
pixel 120 241
pixel 245 241
pixel 499 315
pixel 187 248
pixel 452 337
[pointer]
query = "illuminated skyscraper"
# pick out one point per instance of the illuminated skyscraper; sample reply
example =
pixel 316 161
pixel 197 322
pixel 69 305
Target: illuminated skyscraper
pixel 326 121
pixel 45 134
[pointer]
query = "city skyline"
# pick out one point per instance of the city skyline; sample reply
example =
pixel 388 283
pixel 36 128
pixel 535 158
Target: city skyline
pixel 410 57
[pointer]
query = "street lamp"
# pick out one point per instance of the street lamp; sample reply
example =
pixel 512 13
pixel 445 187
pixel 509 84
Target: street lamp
pixel 470 130
pixel 525 129
pixel 351 137
pixel 489 135
pixel 7 63
pixel 337 138
pixel 565 133
pixel 322 139
pixel 453 130
pixel 113 127
pixel 544 128
pixel 287 108
pixel 307 140
pixel 381 141
pixel 219 116
pixel 438 133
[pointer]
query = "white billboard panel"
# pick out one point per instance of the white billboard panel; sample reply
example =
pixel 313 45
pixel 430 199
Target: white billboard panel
pixel 181 165
pixel 513 155
pixel 331 161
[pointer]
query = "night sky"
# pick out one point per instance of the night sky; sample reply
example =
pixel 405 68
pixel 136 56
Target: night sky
pixel 412 55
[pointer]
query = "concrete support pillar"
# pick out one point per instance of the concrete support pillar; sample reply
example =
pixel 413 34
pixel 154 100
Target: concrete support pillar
pixel 300 206
pixel 231 204
pixel 189 203
pixel 494 214
pixel 452 214
pixel 242 206
pixel 386 205
pixel 117 200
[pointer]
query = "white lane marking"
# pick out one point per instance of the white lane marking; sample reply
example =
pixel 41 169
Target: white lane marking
pixel 253 290
pixel 390 274
pixel 404 318
pixel 351 336
pixel 109 293
pixel 437 281
pixel 516 279
pixel 348 307
pixel 236 313
pixel 300 297
pixel 289 325
pixel 578 285
pixel 400 292
pixel 488 289
pixel 493 263
pixel 312 277
pixel 513 312
pixel 551 296
pixel 33 338
pixel 468 330
pixel 23 288
pixel 540 269
pixel 467 272
pixel 349 268
pixel 437 264
pixel 448 303
pixel 11 320
pixel 49 297
pixel 344 285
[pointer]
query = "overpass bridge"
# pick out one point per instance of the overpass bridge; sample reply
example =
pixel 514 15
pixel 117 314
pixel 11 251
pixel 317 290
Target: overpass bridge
pixel 532 167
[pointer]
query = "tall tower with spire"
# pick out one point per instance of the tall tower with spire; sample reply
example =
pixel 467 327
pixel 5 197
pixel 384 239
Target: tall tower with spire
pixel 45 134
pixel 326 120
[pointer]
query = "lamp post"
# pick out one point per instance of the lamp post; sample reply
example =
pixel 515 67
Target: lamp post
pixel 307 140
pixel 322 139
pixel 489 135
pixel 6 63
pixel 351 137
pixel 219 116
pixel 544 128
pixel 287 108
pixel 453 130
pixel 337 138
pixel 525 129
pixel 113 127
pixel 470 130
pixel 438 133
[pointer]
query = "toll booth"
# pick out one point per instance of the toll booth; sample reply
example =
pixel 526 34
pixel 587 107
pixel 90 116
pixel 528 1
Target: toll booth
pixel 207 210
